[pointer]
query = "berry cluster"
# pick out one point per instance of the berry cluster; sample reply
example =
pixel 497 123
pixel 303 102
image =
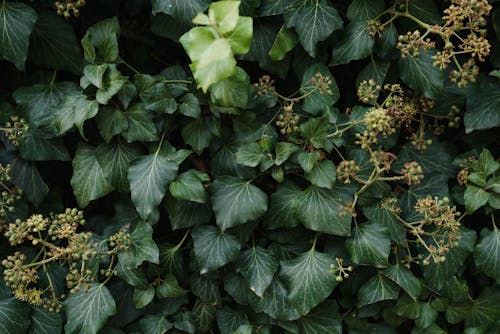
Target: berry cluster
pixel 339 270
pixel 287 121
pixel 346 170
pixel 9 193
pixel 15 129
pixel 413 173
pixel 68 8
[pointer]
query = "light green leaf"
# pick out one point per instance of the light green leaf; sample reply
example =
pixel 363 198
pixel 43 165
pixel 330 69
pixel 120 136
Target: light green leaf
pixel 309 280
pixel 486 164
pixel 149 176
pixel 313 20
pixel 285 41
pixel 323 174
pixel 275 302
pixel 482 109
pixel 283 151
pixel 233 91
pixel 377 289
pixel 142 247
pixel 363 10
pixel 111 121
pixel 318 101
pixel 88 180
pixel 45 322
pixel 421 75
pixel 140 125
pixel 225 13
pixel 258 265
pixel 354 43
pixel 487 253
pixel 282 206
pixel 323 319
pixel 240 38
pixel 370 245
pixel 14 316
pixel 182 10
pixel 213 248
pixel 189 186
pixel 17 21
pixel 236 201
pixel 322 210
pixel 475 197
pixel 169 288
pixel 405 279
pixel 88 311
pixel 54 44
pixel 143 297
pixel 250 154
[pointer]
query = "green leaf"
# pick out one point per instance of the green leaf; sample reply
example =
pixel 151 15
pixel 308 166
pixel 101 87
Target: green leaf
pixel 190 106
pixel 475 197
pixel 225 13
pixel 197 135
pixel 182 10
pixel 307 160
pixel 370 245
pixel 323 174
pixel 189 186
pixel 354 43
pixel 427 316
pixel 377 213
pixel 149 176
pixel 487 253
pixel 322 210
pixel 405 279
pixel 203 314
pixel 315 130
pixel 275 302
pixel 425 10
pixel 14 316
pixel 258 265
pixel 184 214
pixel 140 125
pixel 250 154
pixel 213 248
pixel 313 21
pixel 155 94
pixel 318 101
pixel 421 75
pixel 363 10
pixel 482 109
pixel 153 324
pixel 486 164
pixel 169 288
pixel 282 206
pixel 229 320
pixel 240 38
pixel 323 319
pixel 88 180
pixel 54 44
pixel 88 311
pixel 377 289
pixel 17 21
pixel 115 159
pixel 236 201
pixel 143 297
pixel 309 280
pixel 104 36
pixel 142 247
pixel 111 121
pixel 38 146
pixel 283 151
pixel 45 322
pixel 233 91
pixel 285 41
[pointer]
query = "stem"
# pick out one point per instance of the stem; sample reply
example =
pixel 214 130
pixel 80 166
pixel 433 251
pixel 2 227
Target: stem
pixel 313 248
pixel 160 144
pixel 182 240
pixel 177 81
pixel 130 67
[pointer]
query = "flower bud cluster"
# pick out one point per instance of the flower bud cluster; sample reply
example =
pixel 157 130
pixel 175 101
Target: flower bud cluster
pixel 383 160
pixel 323 83
pixel 413 173
pixel 15 129
pixel 368 91
pixel 411 43
pixel 265 85
pixel 9 194
pixel 346 170
pixel 379 122
pixel 68 8
pixel 287 121
pixel 339 270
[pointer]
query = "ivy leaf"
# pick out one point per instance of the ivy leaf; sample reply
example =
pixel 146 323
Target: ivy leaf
pixel 272 7
pixel 45 322
pixel 285 41
pixel 487 253
pixel 203 314
pixel 142 247
pixel 17 21
pixel 313 20
pixel 318 101
pixel 155 95
pixel 474 198
pixel 88 180
pixel 405 279
pixel 283 151
pixel 104 36
pixel 190 106
pixel 354 43
pixel 309 280
pixel 282 205
pixel 38 146
pixel 486 164
pixel 233 91
pixel 14 316
pixel 421 75
pixel 236 201
pixel 182 10
pixel 229 320
pixel 213 248
pixel 377 289
pixel 427 316
pixel 115 159
pixel 426 10
pixel 189 186
pixel 250 154
pixel 482 109
pixel 140 125
pixel 197 135
pixel 370 245
pixel 322 210
pixel 54 44
pixel 153 324
pixel 323 319
pixel 258 265
pixel 315 130
pixel 88 311
pixel 143 297
pixel 363 10
pixel 377 213
pixel 323 174
pixel 185 214
pixel 275 302
pixel 240 38
pixel 225 13
pixel 307 160
pixel 169 288
pixel 111 121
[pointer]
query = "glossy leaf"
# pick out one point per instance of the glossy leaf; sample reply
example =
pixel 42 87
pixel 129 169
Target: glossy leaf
pixel 258 265
pixel 370 245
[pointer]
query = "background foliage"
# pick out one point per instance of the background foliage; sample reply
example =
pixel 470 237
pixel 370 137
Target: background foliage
pixel 242 167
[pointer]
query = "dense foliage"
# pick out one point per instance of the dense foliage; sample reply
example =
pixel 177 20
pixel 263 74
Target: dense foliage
pixel 263 166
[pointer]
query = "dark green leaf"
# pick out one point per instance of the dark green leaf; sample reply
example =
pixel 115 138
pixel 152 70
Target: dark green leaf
pixel 323 174
pixel 275 302
pixel 184 214
pixel 182 10
pixel 229 320
pixel 190 106
pixel 197 135
pixel 363 10
pixel 370 245
pixel 169 288
pixel 140 126
pixel 45 322
pixel 482 109
pixel 142 247
pixel 38 146
pixel 282 205
pixel 377 289
pixel 189 186
pixel 104 36
pixel 203 314
pixel 143 297
pixel 487 253
pixel 318 101
pixel 250 154
pixel 420 74
pixel 323 319
pixel 111 122
pixel 258 265
pixel 405 279
pixel 14 316
pixel 474 198
pixel 155 94
pixel 354 43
